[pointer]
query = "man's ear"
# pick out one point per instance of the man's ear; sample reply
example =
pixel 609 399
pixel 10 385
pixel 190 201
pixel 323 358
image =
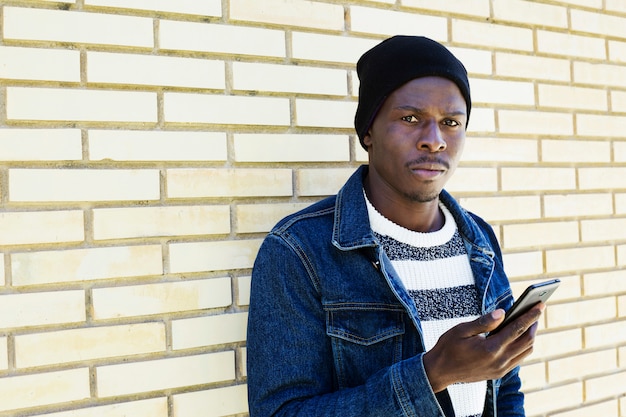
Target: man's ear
pixel 367 139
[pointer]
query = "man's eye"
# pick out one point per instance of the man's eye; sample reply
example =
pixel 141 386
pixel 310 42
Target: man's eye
pixel 410 119
pixel 452 123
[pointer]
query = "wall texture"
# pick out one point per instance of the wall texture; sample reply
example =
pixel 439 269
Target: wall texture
pixel 146 147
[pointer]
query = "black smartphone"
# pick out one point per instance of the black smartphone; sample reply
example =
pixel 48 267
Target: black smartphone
pixel 532 295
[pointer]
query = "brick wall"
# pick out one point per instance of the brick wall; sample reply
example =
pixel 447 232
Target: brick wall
pixel 146 147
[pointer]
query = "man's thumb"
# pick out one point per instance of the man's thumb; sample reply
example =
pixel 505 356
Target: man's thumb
pixel 490 321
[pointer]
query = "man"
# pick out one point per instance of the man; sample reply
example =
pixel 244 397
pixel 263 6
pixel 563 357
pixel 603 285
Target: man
pixel 376 301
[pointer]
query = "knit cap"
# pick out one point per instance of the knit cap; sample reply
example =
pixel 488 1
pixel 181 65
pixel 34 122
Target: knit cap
pixel 396 61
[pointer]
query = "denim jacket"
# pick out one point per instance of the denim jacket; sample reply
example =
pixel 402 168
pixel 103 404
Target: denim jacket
pixel 333 332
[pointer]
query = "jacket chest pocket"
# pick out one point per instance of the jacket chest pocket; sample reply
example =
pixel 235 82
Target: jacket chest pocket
pixel 365 339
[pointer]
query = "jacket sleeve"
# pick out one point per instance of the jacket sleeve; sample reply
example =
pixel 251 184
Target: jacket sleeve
pixel 510 400
pixel 290 357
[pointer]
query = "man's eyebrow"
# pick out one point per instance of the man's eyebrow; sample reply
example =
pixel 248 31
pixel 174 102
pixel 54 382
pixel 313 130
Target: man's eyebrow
pixel 418 110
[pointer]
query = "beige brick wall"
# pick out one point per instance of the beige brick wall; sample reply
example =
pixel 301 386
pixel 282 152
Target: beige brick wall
pixel 147 146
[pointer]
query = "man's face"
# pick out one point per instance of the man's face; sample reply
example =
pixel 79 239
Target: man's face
pixel 416 140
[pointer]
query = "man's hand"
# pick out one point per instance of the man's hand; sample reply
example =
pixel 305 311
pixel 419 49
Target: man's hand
pixel 465 354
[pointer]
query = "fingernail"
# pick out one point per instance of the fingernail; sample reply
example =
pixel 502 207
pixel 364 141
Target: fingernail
pixel 496 314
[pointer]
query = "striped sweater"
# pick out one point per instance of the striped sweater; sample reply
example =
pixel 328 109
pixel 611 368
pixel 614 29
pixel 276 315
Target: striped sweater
pixel 436 273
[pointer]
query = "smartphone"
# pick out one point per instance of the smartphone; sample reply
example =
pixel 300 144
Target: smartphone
pixel 532 295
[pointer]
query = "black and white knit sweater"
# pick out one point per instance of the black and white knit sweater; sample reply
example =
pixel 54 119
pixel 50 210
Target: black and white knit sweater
pixel 435 270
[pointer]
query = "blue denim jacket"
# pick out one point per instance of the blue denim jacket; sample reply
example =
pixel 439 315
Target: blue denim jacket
pixel 333 332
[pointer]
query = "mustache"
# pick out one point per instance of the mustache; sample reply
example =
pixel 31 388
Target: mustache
pixel 428 160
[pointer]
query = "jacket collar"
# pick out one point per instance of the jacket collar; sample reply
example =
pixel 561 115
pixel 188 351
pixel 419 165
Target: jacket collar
pixel 352 230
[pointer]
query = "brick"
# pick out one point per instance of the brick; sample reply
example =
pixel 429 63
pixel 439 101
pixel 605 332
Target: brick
pixel 157 145
pixel 504 208
pixel 492 35
pixel 621 306
pixel 329 48
pixel 220 109
pixel 4 354
pixel 533 376
pixel 467 179
pixel 243 293
pixel 538 179
pixel 83 184
pixel 162 374
pixel 479 149
pixel 605 283
pixel 482 120
pixel 213 256
pixel 602 230
pixel 503 92
pixel 224 401
pixel 568 45
pixel 301 13
pixel 321 182
pixel 572 151
pixel 2 278
pixel 113 68
pixel 325 113
pixel 27 64
pixel 120 223
pixel 580 365
pixel 241 182
pixel 523 264
pixel 618 101
pixel 568 97
pixel 70 265
pixel 536 14
pixel 217 38
pixel 535 122
pixel 601 178
pixel 567 205
pixel 581 312
pixel 579 258
pixel 599 23
pixel 392 22
pixel 202 8
pixel 40 144
pixel 540 234
pixel 44 389
pixel 617 51
pixel 607 335
pixel 525 66
pixel 21 228
pixel 291 148
pixel 619 151
pixel 50 104
pixel 77 27
pixel 475 8
pixel 620 203
pixel 558 343
pixel 78 345
pixel 596 125
pixel 223 328
pixel 621 255
pixel 42 308
pixel 615 5
pixel 160 298
pixel 244 360
pixel 605 386
pixel 553 398
pixel 260 218
pixel 475 61
pixel 599 74
pixel 154 407
pixel 289 78
pixel 609 408
pixel 596 4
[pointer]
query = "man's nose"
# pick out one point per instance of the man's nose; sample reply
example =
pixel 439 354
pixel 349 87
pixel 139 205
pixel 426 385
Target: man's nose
pixel 431 138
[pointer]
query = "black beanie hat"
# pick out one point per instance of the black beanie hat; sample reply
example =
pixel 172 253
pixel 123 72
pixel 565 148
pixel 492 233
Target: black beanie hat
pixel 396 61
